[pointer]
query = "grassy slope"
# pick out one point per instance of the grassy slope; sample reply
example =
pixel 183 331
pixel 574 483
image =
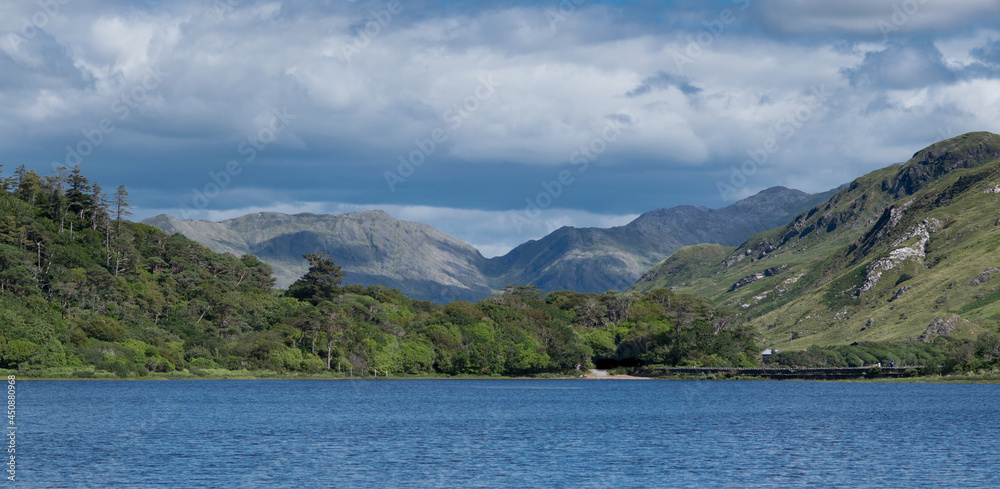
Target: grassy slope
pixel 824 254
pixel 687 264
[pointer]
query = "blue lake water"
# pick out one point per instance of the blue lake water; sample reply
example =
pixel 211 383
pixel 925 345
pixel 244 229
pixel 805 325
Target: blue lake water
pixel 506 433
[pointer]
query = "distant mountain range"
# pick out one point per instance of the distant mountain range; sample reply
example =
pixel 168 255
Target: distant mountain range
pixel 370 246
pixel 374 248
pixel 597 260
pixel 906 252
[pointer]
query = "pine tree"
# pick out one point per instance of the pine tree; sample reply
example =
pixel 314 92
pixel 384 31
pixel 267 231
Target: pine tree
pixel 7 183
pixel 320 283
pixel 79 199
pixel 123 206
pixel 29 185
pixel 57 201
pixel 100 206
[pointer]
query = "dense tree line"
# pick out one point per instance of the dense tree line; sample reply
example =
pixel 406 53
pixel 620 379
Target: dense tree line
pixel 83 287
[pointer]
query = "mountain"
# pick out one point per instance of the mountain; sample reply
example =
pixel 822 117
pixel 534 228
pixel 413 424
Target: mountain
pixel 374 248
pixel 596 260
pixel 905 252
pixel 370 246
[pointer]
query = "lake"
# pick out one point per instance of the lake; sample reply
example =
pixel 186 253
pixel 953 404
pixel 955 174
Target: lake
pixel 505 433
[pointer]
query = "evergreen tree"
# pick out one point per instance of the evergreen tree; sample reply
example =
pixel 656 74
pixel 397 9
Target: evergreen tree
pixel 123 206
pixel 78 196
pixel 57 200
pixel 29 185
pixel 100 206
pixel 320 283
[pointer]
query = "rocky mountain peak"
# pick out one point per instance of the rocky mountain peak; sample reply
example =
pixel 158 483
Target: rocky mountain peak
pixel 966 151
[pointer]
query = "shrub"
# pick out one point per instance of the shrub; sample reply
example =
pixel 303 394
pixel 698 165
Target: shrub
pixel 104 329
pixel 14 353
pixel 203 363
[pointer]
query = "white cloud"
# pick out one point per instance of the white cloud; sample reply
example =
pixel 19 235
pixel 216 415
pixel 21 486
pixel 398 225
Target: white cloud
pixel 558 88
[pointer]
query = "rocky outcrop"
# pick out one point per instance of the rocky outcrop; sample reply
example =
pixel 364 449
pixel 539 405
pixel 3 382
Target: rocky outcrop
pixel 916 250
pixel 749 279
pixel 984 277
pixel 966 151
pixel 942 326
pixel 899 293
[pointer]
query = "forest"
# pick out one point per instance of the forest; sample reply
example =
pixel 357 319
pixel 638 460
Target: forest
pixel 84 292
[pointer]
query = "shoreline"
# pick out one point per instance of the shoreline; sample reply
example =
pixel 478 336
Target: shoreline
pixel 592 374
pixel 154 378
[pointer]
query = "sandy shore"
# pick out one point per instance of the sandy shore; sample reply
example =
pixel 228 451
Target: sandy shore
pixel 603 374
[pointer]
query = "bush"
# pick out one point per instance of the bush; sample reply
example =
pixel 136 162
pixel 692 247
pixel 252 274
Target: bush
pixel 104 329
pixel 203 363
pixel 118 367
pixel 14 353
pixel 312 364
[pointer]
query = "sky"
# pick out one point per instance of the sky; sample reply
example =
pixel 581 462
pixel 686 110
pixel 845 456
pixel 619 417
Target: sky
pixel 495 122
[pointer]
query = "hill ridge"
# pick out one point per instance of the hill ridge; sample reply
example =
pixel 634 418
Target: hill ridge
pixel 868 264
pixel 582 259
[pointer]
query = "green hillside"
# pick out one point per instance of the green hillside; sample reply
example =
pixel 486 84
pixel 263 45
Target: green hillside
pixel 685 266
pixel 86 293
pixel 905 252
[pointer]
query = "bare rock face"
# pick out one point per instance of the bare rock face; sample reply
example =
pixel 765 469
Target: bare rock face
pixel 749 279
pixel 914 249
pixel 984 277
pixel 902 290
pixel 942 326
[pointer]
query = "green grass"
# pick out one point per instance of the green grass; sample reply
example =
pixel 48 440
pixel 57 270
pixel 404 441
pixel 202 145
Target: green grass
pixel 829 247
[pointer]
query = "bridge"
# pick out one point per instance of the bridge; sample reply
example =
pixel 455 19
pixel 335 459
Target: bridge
pixel 794 372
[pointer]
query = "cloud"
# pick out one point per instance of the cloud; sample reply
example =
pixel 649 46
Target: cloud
pixel 663 81
pixel 368 90
pixel 901 66
pixel 988 53
pixel 866 20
